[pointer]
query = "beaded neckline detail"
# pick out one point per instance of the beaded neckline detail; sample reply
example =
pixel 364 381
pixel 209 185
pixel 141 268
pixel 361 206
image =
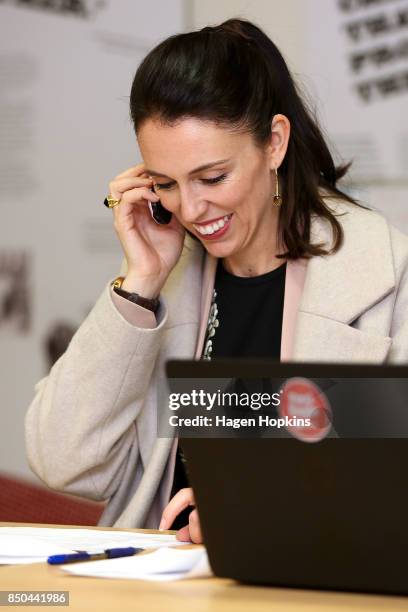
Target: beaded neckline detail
pixel 212 325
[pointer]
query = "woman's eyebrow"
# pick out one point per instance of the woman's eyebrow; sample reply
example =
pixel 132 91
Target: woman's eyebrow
pixel 203 167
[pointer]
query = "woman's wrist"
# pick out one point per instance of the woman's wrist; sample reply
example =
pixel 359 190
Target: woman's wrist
pixel 146 288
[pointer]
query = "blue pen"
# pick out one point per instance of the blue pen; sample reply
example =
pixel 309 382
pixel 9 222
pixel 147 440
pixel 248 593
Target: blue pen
pixel 109 553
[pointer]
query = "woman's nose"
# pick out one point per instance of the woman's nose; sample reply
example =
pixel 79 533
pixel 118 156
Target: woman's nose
pixel 192 207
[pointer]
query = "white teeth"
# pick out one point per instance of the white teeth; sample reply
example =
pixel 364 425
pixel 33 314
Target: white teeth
pixel 212 227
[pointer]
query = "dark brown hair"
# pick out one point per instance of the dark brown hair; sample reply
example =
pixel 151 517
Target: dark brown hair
pixel 234 75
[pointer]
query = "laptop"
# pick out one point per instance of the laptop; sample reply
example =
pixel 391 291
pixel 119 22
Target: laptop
pixel 321 505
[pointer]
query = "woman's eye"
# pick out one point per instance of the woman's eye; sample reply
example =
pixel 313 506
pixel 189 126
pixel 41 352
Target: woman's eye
pixel 210 181
pixel 163 185
pixel 216 179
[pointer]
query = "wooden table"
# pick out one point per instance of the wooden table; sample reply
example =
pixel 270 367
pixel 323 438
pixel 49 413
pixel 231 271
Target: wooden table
pixel 204 595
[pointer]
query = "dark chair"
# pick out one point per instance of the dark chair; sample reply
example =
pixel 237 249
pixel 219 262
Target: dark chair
pixel 24 502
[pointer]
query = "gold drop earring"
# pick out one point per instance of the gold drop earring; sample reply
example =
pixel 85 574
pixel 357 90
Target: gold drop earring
pixel 277 198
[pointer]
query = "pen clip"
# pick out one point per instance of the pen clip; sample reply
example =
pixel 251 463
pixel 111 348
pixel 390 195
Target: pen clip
pixel 113 553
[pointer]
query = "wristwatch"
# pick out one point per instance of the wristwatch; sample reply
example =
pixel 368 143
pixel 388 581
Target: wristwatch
pixel 150 304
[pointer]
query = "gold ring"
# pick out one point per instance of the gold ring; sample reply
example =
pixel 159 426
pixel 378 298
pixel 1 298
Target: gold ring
pixel 111 202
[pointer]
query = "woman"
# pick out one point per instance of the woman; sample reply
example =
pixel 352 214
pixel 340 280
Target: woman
pixel 301 271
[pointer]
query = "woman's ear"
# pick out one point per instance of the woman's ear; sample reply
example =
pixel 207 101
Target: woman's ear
pixel 278 144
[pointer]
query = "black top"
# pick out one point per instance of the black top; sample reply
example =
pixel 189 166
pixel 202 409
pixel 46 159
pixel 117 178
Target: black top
pixel 250 312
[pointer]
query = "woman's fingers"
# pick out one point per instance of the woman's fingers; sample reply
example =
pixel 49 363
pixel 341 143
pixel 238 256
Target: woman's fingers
pixel 195 527
pixel 192 531
pixel 138 194
pixel 128 189
pixel 118 186
pixel 131 197
pixel 183 534
pixel 179 502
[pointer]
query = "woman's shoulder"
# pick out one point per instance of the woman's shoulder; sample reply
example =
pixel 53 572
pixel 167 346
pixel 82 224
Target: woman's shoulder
pixel 366 224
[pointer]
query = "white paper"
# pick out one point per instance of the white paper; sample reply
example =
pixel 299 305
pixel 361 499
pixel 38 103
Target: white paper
pixel 18 548
pixel 161 565
pixel 34 544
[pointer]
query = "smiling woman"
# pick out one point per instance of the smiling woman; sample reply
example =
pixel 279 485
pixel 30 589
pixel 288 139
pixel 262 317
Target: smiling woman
pixel 257 253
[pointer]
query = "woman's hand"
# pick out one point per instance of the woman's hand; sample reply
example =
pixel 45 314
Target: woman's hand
pixel 151 250
pixel 192 531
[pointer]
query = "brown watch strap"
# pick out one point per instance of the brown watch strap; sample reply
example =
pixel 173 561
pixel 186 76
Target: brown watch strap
pixel 150 304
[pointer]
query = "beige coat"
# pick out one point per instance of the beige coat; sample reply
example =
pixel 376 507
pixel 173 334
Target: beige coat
pixel 91 427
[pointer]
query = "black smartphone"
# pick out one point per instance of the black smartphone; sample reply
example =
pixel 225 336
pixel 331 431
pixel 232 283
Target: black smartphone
pixel 161 215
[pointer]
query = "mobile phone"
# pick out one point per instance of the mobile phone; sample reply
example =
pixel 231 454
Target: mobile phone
pixel 160 215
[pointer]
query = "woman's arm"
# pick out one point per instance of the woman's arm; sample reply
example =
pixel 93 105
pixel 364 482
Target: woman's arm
pixel 81 423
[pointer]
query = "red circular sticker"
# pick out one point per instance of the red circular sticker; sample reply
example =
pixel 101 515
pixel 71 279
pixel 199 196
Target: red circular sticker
pixel 305 409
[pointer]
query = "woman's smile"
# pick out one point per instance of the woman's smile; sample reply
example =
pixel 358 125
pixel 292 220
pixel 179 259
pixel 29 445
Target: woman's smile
pixel 213 230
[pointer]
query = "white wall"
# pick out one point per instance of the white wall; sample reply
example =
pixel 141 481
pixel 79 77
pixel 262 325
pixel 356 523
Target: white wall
pixel 282 21
pixel 64 134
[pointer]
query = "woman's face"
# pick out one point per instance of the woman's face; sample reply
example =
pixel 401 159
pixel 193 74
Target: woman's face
pixel 227 205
